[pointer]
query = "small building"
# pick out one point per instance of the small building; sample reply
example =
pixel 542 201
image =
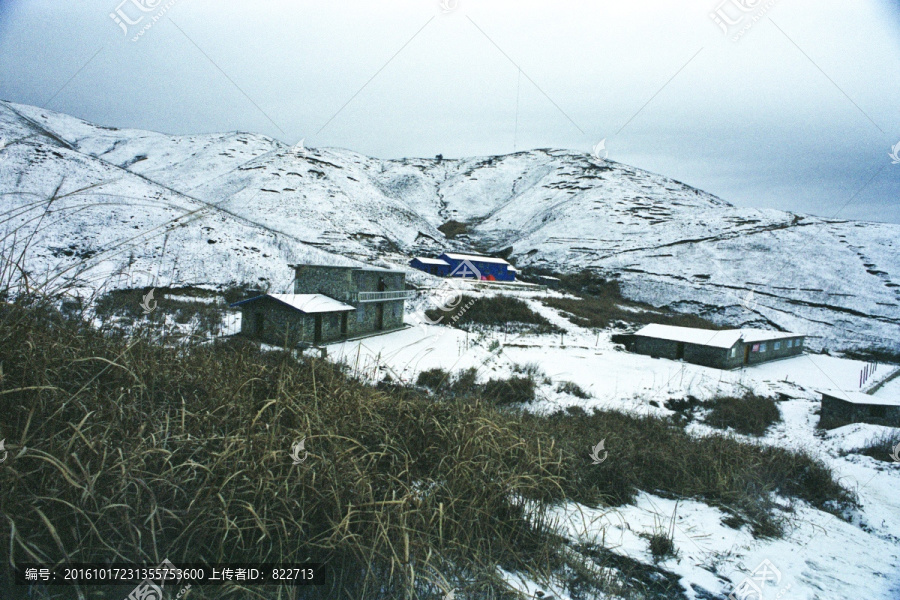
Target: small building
pixel 294 319
pixel 726 349
pixel 841 408
pixel 551 282
pixel 432 266
pixel 482 267
pixel 329 303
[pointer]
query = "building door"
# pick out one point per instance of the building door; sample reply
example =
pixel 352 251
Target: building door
pixel 344 321
pixel 679 351
pixel 317 332
pixel 379 308
pixel 747 354
pixel 258 323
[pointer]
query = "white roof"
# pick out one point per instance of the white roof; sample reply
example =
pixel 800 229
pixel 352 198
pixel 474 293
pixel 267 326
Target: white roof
pixel 475 258
pixel 709 337
pixel 432 261
pixel 764 335
pixel 860 398
pixel 512 268
pixel 307 303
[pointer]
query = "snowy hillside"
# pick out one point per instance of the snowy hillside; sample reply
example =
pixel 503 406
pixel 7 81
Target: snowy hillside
pixel 237 207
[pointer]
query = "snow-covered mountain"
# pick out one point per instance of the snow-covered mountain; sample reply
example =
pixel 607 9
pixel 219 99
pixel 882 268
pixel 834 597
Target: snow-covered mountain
pixel 127 207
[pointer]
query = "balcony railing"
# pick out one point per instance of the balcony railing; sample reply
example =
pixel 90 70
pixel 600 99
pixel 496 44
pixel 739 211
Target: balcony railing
pixel 385 296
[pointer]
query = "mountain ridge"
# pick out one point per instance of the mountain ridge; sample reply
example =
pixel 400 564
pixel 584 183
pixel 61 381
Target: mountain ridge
pixel 237 207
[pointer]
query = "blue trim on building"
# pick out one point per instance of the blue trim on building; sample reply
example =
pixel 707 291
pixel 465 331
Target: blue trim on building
pixel 439 270
pixel 499 271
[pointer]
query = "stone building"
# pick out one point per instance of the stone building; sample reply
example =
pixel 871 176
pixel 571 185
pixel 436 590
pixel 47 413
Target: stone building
pixel 727 349
pixel 328 304
pixel 840 408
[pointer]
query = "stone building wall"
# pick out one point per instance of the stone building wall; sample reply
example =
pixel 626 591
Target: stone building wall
pixel 285 326
pixel 710 356
pixel 771 353
pixel 280 323
pixel 837 412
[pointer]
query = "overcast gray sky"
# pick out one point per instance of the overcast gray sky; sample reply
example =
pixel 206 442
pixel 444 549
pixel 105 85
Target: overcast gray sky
pixel 797 107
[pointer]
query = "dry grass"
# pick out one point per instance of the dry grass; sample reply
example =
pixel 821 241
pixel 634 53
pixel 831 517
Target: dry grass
pixel 748 414
pixel 139 452
pixel 882 446
pixel 509 313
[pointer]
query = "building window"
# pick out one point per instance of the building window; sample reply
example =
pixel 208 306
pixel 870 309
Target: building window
pixel 790 343
pixel 755 348
pixel 733 352
pixel 777 346
pixel 799 342
pixel 762 347
pixel 361 314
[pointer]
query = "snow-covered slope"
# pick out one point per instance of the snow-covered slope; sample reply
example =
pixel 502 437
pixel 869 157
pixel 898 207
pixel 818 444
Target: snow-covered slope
pixel 248 204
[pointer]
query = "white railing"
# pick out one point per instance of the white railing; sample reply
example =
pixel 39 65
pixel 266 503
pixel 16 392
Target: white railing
pixel 384 296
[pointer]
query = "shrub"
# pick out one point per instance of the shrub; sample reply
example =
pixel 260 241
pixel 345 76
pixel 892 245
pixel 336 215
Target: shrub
pixel 433 378
pixel 570 387
pixel 452 228
pixel 750 414
pixel 648 453
pixel 465 382
pixel 662 545
pixel 883 446
pixel 531 369
pixel 496 311
pixel 509 391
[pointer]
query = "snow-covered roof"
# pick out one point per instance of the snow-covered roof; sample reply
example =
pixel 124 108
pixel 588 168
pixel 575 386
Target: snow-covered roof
pixel 709 337
pixel 512 268
pixel 764 335
pixel 860 398
pixel 475 258
pixel 350 268
pixel 306 303
pixel 432 261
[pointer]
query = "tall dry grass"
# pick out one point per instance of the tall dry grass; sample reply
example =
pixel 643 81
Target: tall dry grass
pixel 139 452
